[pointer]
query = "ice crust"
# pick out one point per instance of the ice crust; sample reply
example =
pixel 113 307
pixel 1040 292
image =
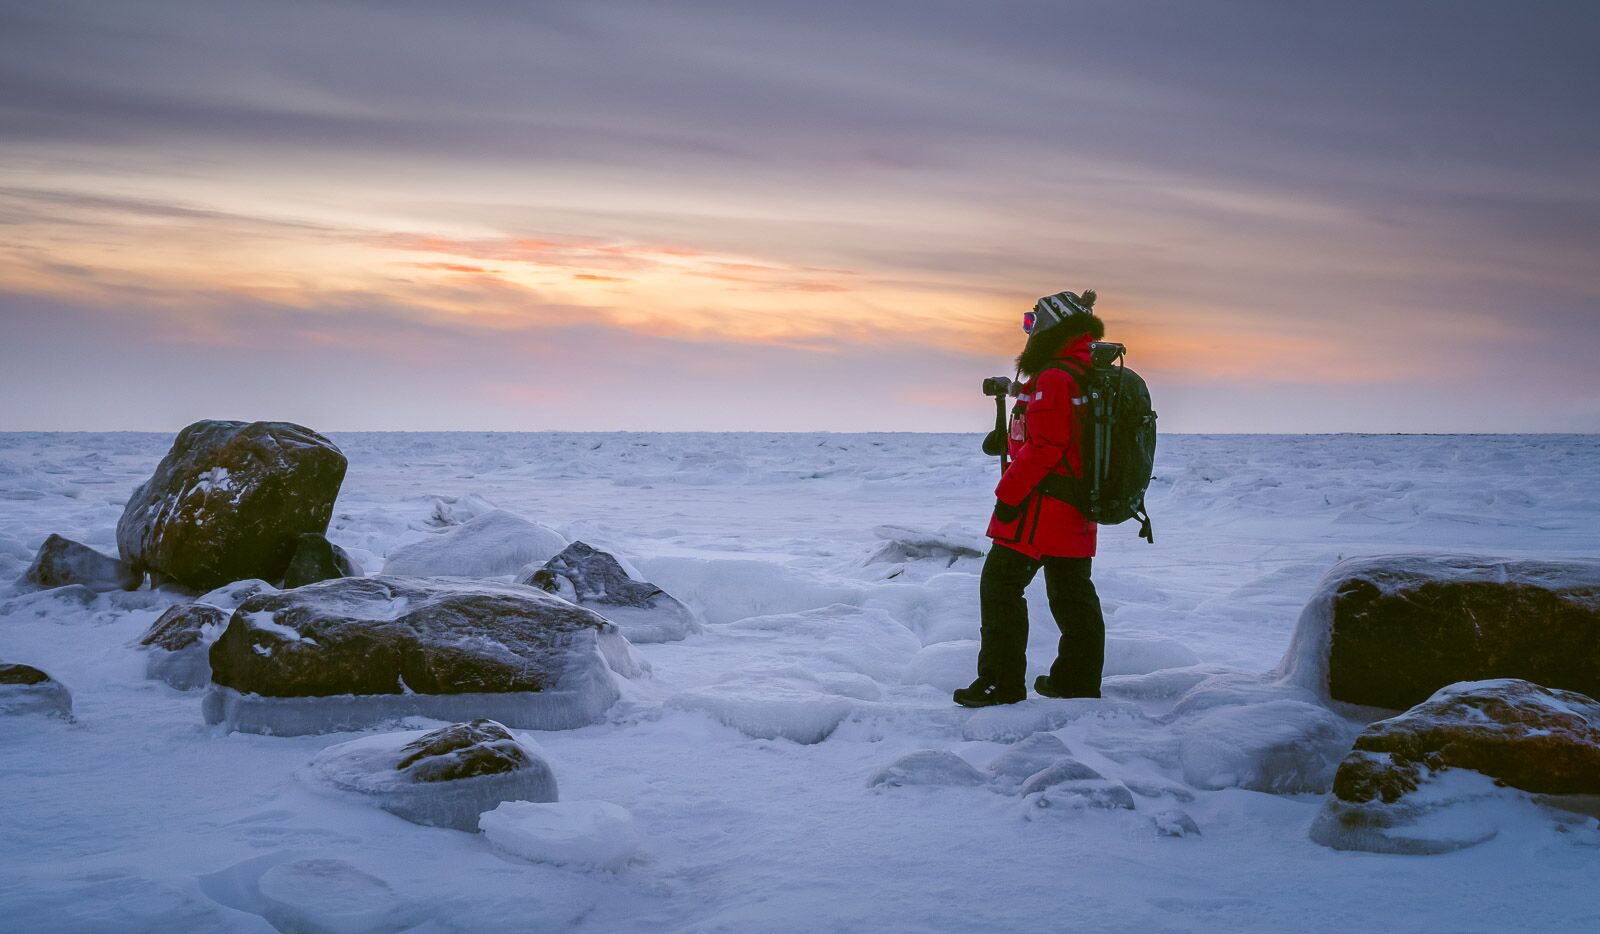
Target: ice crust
pixel 490 544
pixel 584 834
pixel 117 817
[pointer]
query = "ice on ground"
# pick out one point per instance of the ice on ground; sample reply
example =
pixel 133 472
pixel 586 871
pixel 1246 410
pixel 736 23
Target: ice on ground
pixel 945 665
pixel 563 709
pixel 1011 722
pixel 840 637
pixel 1236 689
pixel 1451 810
pixel 588 834
pixel 727 589
pixel 26 690
pixel 1082 795
pixel 1282 746
pixel 770 708
pixel 370 767
pixel 329 896
pixel 943 608
pixel 1164 684
pixel 927 767
pixel 1175 822
pixel 454 510
pixel 491 544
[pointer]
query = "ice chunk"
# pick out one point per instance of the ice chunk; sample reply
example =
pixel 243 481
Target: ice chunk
pixel 1028 757
pixel 1282 746
pixel 945 665
pixel 769 708
pixel 1158 685
pixel 595 834
pixel 1129 655
pixel 927 767
pixel 1011 722
pixel 1175 822
pixel 328 896
pixel 847 638
pixel 1235 689
pixel 488 545
pixel 1061 771
pixel 442 778
pixel 1082 795
pixel 944 608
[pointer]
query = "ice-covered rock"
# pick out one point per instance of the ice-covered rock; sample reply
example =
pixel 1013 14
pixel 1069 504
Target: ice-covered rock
pixel 26 689
pixel 590 834
pixel 1061 771
pixel 945 546
pixel 1435 778
pixel 229 502
pixel 1175 822
pixel 1388 631
pixel 317 559
pixel 927 767
pixel 1281 746
pixel 593 578
pixel 770 708
pixel 1080 795
pixel 1028 757
pixel 440 778
pixel 454 510
pixel 1237 689
pixel 61 561
pixel 179 644
pixel 346 653
pixel 492 544
pixel 945 665
pixel 329 896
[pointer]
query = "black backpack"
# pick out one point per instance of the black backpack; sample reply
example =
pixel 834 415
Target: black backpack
pixel 1118 442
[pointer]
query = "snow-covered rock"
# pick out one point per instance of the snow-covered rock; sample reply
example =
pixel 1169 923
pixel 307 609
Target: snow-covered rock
pixel 491 544
pixel 346 653
pixel 317 559
pixel 1174 822
pixel 26 689
pixel 1445 773
pixel 1062 771
pixel 179 644
pixel 441 778
pixel 1080 795
pixel 1388 631
pixel 1028 757
pixel 927 767
pixel 61 561
pixel 593 578
pixel 229 502
pixel 587 834
pixel 1282 746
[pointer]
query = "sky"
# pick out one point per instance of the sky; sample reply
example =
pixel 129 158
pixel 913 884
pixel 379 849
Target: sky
pixel 1300 217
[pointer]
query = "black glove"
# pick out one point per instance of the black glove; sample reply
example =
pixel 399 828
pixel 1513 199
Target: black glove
pixel 1006 512
pixel 994 443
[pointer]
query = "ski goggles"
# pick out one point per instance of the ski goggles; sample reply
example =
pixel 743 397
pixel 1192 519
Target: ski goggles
pixel 1030 320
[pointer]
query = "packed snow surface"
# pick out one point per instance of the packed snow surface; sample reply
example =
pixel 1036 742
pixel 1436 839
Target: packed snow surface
pixel 836 576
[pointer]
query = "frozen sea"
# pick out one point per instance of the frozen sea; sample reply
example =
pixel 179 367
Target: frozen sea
pixel 829 651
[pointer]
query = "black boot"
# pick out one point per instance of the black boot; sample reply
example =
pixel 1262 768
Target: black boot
pixel 1047 688
pixel 981 693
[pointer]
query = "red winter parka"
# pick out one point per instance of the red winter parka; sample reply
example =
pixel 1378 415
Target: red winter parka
pixel 1044 440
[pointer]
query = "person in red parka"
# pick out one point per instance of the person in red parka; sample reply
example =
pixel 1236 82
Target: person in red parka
pixel 1033 530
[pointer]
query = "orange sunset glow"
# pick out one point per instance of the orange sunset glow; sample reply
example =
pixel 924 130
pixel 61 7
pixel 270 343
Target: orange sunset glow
pixel 744 218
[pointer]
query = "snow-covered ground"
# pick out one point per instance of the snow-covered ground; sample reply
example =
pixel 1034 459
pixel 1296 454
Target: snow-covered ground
pixel 839 607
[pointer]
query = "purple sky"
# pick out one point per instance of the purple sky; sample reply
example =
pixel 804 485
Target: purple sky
pixel 794 215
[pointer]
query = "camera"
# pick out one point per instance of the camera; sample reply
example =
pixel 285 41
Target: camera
pixel 999 386
pixel 1104 353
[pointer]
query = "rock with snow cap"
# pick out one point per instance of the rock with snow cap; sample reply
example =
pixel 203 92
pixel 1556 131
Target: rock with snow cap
pixel 25 689
pixel 346 653
pixel 593 578
pixel 230 501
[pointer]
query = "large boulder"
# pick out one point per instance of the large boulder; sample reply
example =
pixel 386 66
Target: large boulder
pixel 1389 631
pixel 62 561
pixel 26 689
pixel 315 560
pixel 230 501
pixel 1464 745
pixel 443 778
pixel 346 653
pixel 589 577
pixel 491 544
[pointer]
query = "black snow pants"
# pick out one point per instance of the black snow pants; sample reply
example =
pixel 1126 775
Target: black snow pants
pixel 1003 656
